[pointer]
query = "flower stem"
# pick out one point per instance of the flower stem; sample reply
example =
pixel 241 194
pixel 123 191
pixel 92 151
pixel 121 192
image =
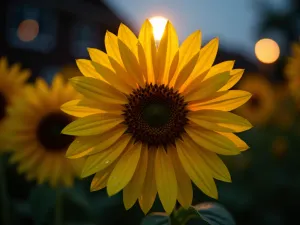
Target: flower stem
pixel 4 195
pixel 59 208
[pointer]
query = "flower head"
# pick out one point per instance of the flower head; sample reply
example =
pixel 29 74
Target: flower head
pixel 33 130
pixel 152 119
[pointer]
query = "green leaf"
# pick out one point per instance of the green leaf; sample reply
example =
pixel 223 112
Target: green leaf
pixel 182 216
pixel 214 214
pixel 156 219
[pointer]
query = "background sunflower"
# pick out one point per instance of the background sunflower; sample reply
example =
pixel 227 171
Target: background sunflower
pixel 34 124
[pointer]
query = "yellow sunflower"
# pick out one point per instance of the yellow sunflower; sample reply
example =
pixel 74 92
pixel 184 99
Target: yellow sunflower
pixel 152 119
pixel 292 72
pixel 12 81
pixel 260 107
pixel 33 130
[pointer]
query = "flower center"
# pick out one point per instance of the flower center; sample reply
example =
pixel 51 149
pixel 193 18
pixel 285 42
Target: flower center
pixel 3 105
pixel 49 132
pixel 254 101
pixel 155 115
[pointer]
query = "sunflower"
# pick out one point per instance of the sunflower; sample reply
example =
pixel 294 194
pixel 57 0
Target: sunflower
pixel 155 118
pixel 292 72
pixel 259 109
pixel 12 81
pixel 34 127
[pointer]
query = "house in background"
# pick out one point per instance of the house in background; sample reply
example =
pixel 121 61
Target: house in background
pixel 47 36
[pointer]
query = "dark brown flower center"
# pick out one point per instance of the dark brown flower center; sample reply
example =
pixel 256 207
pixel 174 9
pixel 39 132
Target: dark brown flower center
pixel 3 105
pixel 49 132
pixel 155 115
pixel 254 101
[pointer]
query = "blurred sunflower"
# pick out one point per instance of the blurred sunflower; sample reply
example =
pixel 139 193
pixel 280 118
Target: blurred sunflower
pixel 292 72
pixel 158 117
pixel 12 82
pixel 260 107
pixel 33 130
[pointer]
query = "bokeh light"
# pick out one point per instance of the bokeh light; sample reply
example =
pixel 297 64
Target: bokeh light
pixel 267 50
pixel 158 23
pixel 28 30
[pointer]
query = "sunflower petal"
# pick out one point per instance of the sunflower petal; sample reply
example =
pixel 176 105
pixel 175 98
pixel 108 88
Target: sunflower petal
pixel 93 124
pixel 98 90
pixel 146 39
pixel 112 48
pixel 99 57
pixel 195 167
pixel 196 92
pixel 235 76
pixel 83 146
pixel 212 141
pixel 100 179
pixel 240 144
pixel 149 191
pixel 226 101
pixel 87 69
pixel 167 49
pixel 98 162
pixel 112 78
pixel 128 38
pixel 73 109
pixel 131 63
pixel 134 188
pixel 185 189
pixel 124 169
pixel 165 180
pixel 219 121
pixel 220 68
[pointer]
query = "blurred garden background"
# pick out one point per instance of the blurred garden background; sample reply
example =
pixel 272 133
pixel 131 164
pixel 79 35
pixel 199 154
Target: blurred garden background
pixel 47 36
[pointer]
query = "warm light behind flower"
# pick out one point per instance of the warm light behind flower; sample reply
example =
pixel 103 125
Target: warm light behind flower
pixel 28 30
pixel 153 118
pixel 159 24
pixel 33 131
pixel 267 50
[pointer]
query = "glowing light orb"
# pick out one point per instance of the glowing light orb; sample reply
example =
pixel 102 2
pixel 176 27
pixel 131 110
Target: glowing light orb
pixel 158 23
pixel 28 30
pixel 267 50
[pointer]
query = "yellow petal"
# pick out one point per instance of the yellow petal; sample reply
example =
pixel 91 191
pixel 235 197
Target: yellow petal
pixel 128 38
pixel 146 39
pixel 219 121
pixel 216 165
pixel 206 59
pixel 225 101
pixel 134 188
pixel 240 144
pixel 106 107
pixel 100 179
pixel 185 189
pixel 42 85
pixel 131 63
pixel 235 76
pixel 112 48
pixel 93 124
pixel 196 92
pixel 173 68
pixel 100 161
pixel 185 72
pixel 165 180
pixel 149 191
pixel 122 73
pixel 220 68
pixel 98 90
pixel 112 78
pixel 167 49
pixel 124 169
pixel 83 146
pixel 99 57
pixel 73 109
pixel 188 49
pixel 195 167
pixel 212 141
pixel 87 69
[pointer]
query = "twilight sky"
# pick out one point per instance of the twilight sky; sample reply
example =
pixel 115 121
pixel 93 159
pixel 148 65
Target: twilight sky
pixel 233 21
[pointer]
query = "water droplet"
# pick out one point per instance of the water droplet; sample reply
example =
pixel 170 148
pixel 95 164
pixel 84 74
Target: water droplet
pixel 107 162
